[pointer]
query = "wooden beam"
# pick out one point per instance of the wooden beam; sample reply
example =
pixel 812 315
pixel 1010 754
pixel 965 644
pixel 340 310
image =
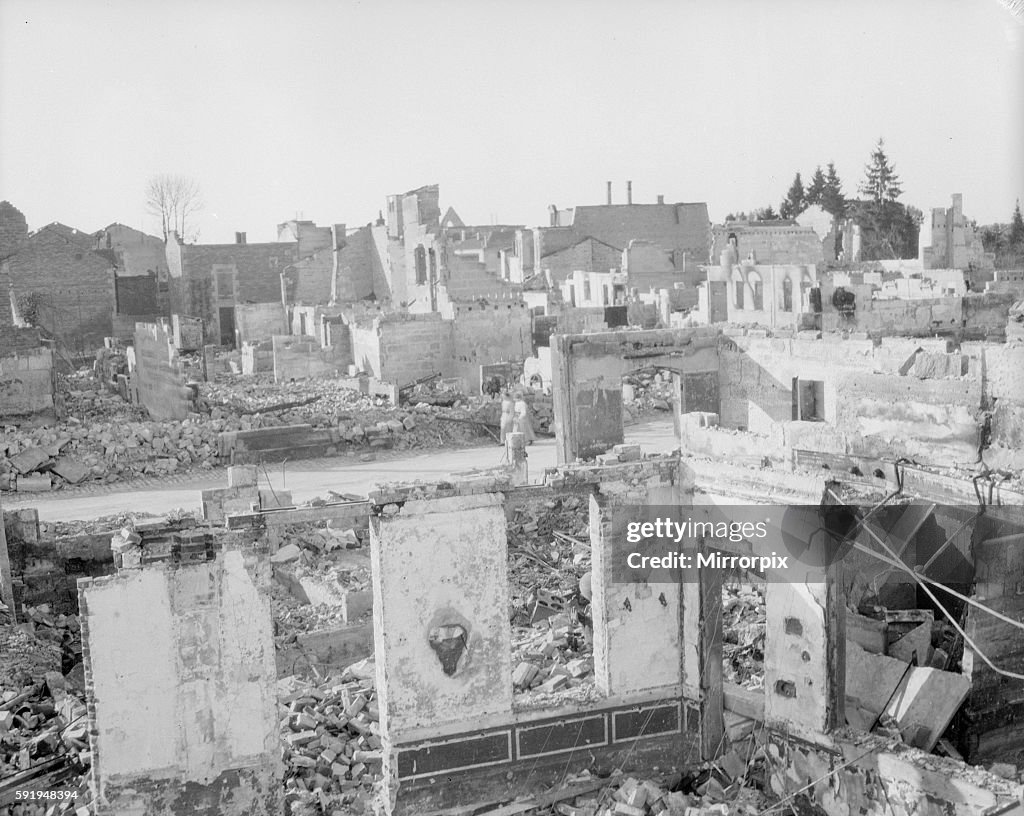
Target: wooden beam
pixel 6 579
pixel 712 697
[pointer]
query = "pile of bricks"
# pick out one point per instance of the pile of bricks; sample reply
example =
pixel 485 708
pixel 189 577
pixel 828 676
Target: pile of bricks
pixel 44 737
pixel 696 795
pixel 552 656
pixel 331 743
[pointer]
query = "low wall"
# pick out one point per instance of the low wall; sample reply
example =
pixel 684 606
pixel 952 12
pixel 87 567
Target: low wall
pixel 259 321
pixel 302 358
pixel 27 384
pixel 257 356
pixel 124 324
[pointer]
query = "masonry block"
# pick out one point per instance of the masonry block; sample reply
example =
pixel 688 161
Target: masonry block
pixel 182 689
pixel 804 684
pixel 637 636
pixel 441 596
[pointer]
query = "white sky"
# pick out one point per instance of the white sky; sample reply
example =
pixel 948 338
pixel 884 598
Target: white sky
pixel 323 108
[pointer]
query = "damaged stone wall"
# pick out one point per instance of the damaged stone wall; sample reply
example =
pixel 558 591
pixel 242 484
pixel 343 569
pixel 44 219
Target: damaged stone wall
pixel 587 374
pixel 1002 368
pixel 187 651
pixel 302 358
pixel 855 397
pixel 453 733
pixel 27 385
pixel 259 321
pixel 158 377
pixel 443 638
pixel 489 333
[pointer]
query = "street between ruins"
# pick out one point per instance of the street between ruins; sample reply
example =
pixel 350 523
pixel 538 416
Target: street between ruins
pixel 309 479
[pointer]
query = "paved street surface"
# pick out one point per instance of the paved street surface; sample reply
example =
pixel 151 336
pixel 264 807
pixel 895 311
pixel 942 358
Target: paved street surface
pixel 307 479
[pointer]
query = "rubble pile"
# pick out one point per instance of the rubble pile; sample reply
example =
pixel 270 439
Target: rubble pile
pixel 293 616
pixel 44 733
pixel 313 573
pixel 552 655
pixel 103 438
pixel 743 634
pixel 647 389
pixel 330 742
pixel 730 786
pixel 548 551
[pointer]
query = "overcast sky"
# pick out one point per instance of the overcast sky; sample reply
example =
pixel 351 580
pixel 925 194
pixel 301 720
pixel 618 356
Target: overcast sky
pixel 321 109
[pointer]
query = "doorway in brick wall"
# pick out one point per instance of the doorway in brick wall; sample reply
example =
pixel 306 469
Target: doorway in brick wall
pixel 227 325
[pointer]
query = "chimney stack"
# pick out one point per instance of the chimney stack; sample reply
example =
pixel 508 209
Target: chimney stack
pixel 239 237
pixel 661 199
pixel 609 192
pixel 629 192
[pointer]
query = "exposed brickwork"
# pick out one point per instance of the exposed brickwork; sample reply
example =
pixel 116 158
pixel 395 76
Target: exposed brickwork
pixel 13 229
pixel 137 295
pixel 356 273
pixel 205 277
pixel 74 285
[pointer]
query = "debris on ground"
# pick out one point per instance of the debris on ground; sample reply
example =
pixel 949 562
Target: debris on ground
pixel 330 742
pixel 44 732
pixel 723 788
pixel 743 633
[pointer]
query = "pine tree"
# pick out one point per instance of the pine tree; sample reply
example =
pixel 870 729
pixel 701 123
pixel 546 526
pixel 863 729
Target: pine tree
pixel 832 199
pixel 881 183
pixel 764 214
pixel 816 188
pixel 1017 228
pixel 795 201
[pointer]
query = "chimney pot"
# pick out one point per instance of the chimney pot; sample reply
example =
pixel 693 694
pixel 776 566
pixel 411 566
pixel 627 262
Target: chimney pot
pixel 239 237
pixel 629 192
pixel 661 199
pixel 609 192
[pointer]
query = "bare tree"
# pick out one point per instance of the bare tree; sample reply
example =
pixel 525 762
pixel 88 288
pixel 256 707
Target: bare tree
pixel 174 200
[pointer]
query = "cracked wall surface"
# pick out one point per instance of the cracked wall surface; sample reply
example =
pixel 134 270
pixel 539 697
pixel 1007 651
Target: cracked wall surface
pixel 180 677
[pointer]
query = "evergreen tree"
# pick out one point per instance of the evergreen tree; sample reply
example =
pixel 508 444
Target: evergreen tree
pixel 832 199
pixel 764 214
pixel 816 188
pixel 795 201
pixel 880 183
pixel 1017 228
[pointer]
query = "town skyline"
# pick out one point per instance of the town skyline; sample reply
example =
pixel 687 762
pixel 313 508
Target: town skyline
pixel 275 119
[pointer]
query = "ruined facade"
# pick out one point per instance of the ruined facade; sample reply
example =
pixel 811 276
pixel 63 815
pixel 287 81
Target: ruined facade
pixel 770 242
pixel 592 238
pixel 208 281
pixel 948 241
pixel 67 285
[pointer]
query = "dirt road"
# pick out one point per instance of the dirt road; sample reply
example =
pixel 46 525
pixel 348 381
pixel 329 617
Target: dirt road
pixel 308 479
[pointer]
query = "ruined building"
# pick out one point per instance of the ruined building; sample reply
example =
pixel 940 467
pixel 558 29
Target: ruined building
pixel 949 241
pixel 669 242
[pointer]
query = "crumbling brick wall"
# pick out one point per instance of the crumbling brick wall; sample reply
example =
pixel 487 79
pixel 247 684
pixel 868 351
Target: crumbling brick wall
pixel 489 333
pixel 412 346
pixel 355 268
pixel 259 321
pixel 73 286
pixel 299 358
pixel 136 295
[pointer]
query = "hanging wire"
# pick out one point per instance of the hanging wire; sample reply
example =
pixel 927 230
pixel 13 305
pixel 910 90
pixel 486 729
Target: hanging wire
pixel 923 581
